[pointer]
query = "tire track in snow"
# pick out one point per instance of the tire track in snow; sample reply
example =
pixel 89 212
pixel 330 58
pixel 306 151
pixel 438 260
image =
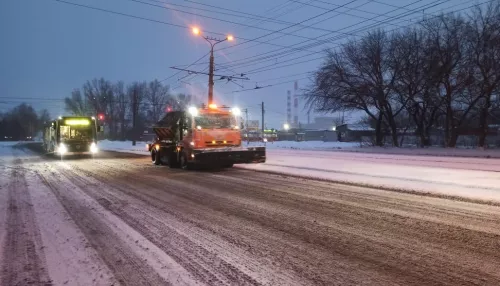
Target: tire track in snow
pixel 393 251
pixel 126 266
pixel 205 265
pixel 24 260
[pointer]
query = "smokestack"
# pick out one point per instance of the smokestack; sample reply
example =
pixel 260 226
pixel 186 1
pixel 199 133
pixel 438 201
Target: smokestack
pixel 289 107
pixel 296 104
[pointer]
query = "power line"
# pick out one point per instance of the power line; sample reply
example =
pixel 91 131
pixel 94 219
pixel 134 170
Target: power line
pixel 320 21
pixel 390 5
pixel 330 39
pixel 273 67
pixel 291 26
pixel 270 85
pixel 287 53
pixel 186 67
pixel 268 11
pixel 287 76
pixel 258 71
pixel 345 13
pixel 159 22
pixel 250 16
pixel 221 20
pixel 242 14
pixel 142 18
pixel 255 60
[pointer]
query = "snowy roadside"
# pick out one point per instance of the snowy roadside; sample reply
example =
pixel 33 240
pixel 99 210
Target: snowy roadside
pixel 357 148
pixel 473 178
pixel 353 147
pixel 123 146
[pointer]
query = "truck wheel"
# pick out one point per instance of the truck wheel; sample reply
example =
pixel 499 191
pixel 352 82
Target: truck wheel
pixel 184 162
pixel 172 160
pixel 155 157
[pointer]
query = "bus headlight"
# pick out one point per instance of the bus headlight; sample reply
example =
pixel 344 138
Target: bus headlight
pixel 93 148
pixel 62 149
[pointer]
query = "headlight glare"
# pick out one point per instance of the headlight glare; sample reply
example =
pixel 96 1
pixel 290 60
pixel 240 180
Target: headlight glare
pixel 93 148
pixel 62 149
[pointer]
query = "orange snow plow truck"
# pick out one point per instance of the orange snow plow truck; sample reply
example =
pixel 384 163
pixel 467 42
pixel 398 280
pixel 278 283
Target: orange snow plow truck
pixel 208 137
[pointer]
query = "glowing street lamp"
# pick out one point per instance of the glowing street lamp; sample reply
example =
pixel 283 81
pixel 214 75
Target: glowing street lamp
pixel 196 30
pixel 286 126
pixel 212 42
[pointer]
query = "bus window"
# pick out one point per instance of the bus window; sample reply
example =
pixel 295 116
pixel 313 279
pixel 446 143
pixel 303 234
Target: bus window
pixel 64 130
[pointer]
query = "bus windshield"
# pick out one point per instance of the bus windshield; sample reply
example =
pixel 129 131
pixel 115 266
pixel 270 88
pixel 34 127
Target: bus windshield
pixel 218 121
pixel 76 132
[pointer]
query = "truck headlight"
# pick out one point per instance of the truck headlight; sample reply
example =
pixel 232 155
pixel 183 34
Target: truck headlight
pixel 93 148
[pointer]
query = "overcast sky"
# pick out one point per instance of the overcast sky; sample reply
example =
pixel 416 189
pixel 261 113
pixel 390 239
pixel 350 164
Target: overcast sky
pixel 48 48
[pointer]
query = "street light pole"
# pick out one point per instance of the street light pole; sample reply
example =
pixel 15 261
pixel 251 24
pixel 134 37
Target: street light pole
pixel 211 74
pixel 212 42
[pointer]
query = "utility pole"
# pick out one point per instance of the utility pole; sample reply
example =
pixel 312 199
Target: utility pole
pixel 246 118
pixel 211 74
pixel 246 124
pixel 134 115
pixel 263 118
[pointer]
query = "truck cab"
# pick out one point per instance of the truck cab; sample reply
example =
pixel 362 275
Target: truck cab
pixel 212 128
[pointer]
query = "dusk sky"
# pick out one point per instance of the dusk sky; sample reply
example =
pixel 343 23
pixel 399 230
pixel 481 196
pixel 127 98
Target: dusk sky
pixel 48 47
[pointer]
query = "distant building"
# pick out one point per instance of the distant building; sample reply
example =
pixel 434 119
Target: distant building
pixel 354 132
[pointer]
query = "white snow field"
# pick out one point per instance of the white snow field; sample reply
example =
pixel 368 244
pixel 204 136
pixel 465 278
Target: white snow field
pixel 473 174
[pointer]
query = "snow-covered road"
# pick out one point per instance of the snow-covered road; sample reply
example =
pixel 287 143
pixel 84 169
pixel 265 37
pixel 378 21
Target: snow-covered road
pixel 472 176
pixel 119 220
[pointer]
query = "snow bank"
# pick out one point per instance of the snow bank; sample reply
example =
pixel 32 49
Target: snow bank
pixel 8 143
pixel 356 147
pixel 330 146
pixel 474 178
pixel 6 147
pixel 123 146
pixel 431 151
pixel 307 145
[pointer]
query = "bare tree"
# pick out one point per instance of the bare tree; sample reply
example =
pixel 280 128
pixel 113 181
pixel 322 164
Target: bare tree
pixel 416 89
pixel 136 93
pixel 76 104
pixel 450 72
pixel 360 76
pixel 43 118
pixel 179 101
pixel 121 106
pixel 98 94
pixel 157 98
pixel 484 55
